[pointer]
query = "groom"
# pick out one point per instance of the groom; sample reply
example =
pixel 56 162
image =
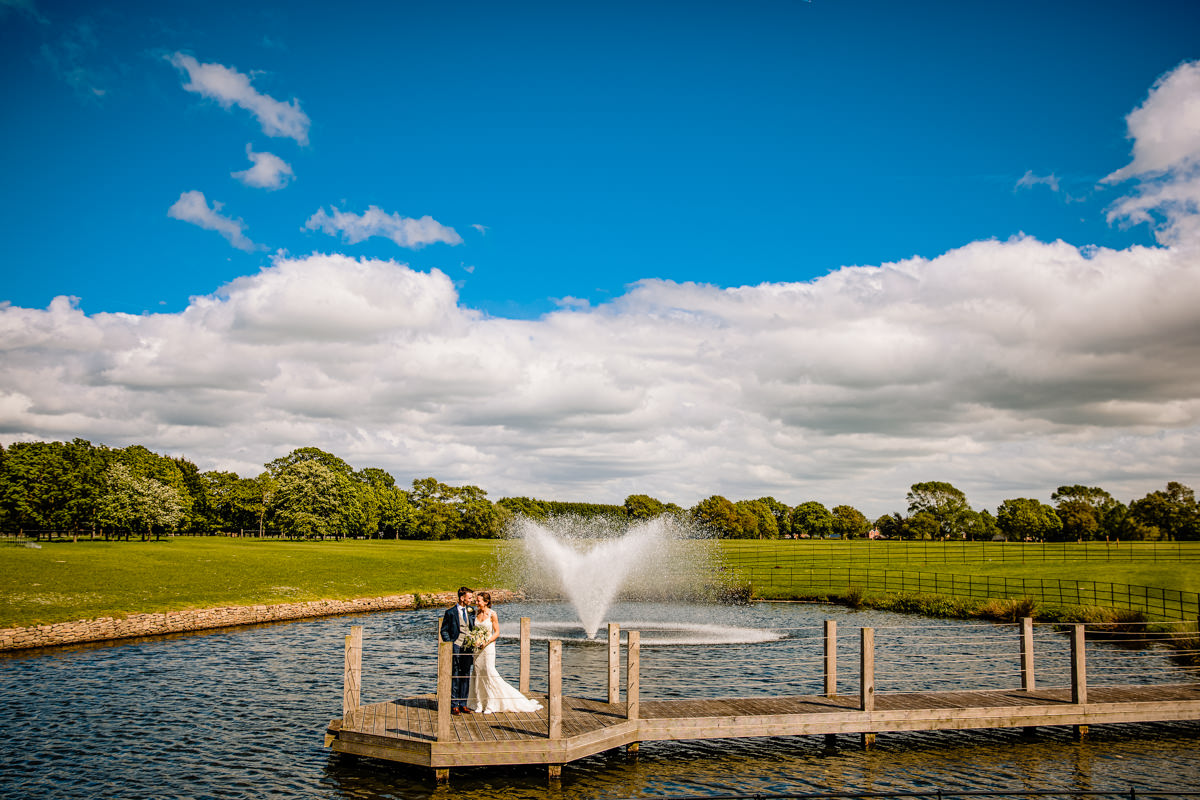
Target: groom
pixel 457 621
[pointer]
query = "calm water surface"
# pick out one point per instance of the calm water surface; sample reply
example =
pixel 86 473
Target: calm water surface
pixel 241 713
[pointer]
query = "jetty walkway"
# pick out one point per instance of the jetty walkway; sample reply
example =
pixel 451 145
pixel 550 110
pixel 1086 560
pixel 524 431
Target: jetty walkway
pixel 420 730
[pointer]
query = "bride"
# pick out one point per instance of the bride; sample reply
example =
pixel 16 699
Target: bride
pixel 489 692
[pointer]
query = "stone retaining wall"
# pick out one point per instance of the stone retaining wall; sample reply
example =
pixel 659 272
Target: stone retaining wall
pixel 134 625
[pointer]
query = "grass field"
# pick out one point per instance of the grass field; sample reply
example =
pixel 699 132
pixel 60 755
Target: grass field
pixel 65 581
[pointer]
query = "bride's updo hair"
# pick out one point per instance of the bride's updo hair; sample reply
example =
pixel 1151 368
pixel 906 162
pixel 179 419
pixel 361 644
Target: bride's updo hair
pixel 486 597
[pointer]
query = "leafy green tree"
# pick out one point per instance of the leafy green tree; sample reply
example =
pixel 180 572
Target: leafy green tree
pixel 782 513
pixel 922 525
pixel 813 519
pixel 643 506
pixel 981 526
pixel 1172 512
pixel 1082 510
pixel 523 506
pixel 137 502
pixel 314 501
pixel 892 526
pixel 947 504
pixel 763 526
pixel 1024 518
pixel 724 518
pixel 849 523
pixel 52 485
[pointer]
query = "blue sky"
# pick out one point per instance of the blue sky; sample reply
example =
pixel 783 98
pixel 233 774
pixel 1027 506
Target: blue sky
pixel 559 164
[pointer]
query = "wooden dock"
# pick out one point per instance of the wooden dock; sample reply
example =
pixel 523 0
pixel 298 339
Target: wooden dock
pixel 420 730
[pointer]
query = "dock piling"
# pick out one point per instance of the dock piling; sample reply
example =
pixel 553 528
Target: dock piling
pixel 1078 665
pixel 1027 681
pixel 445 661
pixel 633 675
pixel 614 663
pixel 554 692
pixel 831 658
pixel 523 675
pixel 352 676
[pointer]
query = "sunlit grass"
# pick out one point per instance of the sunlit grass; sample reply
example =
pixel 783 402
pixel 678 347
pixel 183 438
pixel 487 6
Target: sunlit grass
pixel 67 581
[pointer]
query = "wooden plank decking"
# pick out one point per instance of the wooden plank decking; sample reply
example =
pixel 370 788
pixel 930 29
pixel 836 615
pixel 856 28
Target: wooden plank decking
pixel 405 729
pixel 417 731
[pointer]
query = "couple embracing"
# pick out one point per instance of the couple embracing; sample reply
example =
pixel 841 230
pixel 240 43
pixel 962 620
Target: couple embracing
pixel 475 686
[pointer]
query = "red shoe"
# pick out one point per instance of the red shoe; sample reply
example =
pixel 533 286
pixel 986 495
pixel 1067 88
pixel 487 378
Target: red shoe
pixel 467 710
pixel 456 711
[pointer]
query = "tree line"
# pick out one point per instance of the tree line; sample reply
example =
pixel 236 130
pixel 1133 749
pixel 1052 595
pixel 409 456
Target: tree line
pixel 81 488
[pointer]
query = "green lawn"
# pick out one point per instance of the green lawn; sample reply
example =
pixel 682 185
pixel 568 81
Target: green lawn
pixel 66 581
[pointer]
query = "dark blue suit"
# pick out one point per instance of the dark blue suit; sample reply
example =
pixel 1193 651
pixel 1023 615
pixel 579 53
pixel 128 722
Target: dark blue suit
pixel 461 662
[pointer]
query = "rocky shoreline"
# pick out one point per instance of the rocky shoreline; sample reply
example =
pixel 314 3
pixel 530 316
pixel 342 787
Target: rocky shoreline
pixel 200 619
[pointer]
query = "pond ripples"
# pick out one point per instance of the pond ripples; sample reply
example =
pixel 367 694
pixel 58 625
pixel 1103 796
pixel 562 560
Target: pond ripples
pixel 241 713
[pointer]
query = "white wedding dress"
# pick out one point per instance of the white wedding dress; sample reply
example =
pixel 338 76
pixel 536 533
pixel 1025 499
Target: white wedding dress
pixel 489 692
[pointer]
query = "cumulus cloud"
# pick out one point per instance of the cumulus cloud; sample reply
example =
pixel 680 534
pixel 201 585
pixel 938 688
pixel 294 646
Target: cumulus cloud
pixel 1006 367
pixel 1165 129
pixel 193 207
pixel 1166 159
pixel 404 231
pixel 269 171
pixel 232 88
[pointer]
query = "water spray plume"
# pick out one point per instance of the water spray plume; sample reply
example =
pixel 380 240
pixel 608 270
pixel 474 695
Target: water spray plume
pixel 592 562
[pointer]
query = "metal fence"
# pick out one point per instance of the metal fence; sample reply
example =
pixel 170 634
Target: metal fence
pixel 1154 601
pixel 884 552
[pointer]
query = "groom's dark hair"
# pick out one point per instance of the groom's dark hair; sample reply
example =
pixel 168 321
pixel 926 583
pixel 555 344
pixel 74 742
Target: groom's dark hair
pixel 461 591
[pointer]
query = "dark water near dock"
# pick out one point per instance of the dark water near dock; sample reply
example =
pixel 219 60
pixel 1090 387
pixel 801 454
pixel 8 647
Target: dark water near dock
pixel 241 713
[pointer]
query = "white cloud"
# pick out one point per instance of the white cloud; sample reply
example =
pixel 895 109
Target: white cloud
pixel 404 231
pixel 193 207
pixel 269 171
pixel 483 229
pixel 230 87
pixel 1005 367
pixel 1029 180
pixel 1166 159
pixel 1165 128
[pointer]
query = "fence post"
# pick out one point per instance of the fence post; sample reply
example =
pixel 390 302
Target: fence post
pixel 352 674
pixel 633 683
pixel 1078 665
pixel 554 696
pixel 633 675
pixel 614 662
pixel 831 658
pixel 523 674
pixel 444 665
pixel 866 683
pixel 1027 681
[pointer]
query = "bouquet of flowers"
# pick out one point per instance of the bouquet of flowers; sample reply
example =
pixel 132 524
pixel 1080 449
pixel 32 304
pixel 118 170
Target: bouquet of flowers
pixel 476 639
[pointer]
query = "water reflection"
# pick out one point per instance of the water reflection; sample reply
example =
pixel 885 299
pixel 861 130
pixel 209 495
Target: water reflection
pixel 240 714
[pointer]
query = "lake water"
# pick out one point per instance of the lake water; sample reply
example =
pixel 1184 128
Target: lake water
pixel 241 712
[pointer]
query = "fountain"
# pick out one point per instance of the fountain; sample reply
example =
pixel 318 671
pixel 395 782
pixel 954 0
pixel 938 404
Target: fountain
pixel 593 562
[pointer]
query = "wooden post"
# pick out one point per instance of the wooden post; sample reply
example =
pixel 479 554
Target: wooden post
pixel 1027 681
pixel 1078 666
pixel 632 675
pixel 444 665
pixel 633 679
pixel 866 683
pixel 614 663
pixel 831 658
pixel 554 695
pixel 523 681
pixel 352 674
